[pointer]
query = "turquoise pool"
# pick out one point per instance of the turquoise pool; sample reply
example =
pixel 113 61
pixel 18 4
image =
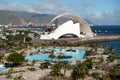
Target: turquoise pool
pixel 2 67
pixel 77 54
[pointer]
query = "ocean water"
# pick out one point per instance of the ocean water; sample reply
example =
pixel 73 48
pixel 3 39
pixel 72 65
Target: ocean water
pixel 106 30
pixel 109 30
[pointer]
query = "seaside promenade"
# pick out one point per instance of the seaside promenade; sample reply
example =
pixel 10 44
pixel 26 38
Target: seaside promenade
pixel 81 40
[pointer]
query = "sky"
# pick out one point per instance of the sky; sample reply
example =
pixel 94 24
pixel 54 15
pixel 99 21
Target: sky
pixel 99 12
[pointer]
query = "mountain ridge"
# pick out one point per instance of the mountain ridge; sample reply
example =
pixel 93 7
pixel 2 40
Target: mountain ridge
pixel 23 18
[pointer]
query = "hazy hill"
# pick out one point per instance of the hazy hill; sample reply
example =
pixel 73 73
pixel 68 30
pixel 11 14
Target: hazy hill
pixel 23 18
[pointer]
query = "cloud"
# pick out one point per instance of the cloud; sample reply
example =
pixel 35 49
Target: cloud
pixel 97 15
pixel 88 3
pixel 51 8
pixel 114 13
pixel 104 18
pixel 16 7
pixel 42 6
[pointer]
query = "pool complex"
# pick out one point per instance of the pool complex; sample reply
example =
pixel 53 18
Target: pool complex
pixel 77 54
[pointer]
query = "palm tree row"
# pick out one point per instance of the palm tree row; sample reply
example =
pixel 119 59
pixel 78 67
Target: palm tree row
pixel 78 71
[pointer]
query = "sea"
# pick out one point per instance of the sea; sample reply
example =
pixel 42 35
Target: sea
pixel 108 30
pixel 100 30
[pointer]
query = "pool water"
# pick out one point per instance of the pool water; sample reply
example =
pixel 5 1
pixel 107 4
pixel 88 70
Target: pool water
pixel 77 54
pixel 2 67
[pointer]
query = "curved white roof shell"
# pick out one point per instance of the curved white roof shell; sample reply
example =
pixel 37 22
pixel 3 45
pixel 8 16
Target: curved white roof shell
pixel 74 26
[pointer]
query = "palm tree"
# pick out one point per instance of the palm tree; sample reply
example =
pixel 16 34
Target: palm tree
pixel 56 69
pixel 33 62
pixel 88 63
pixel 52 54
pixel 101 59
pixel 36 35
pixel 1 56
pixel 114 72
pixel 66 66
pixel 95 75
pixel 45 65
pixel 16 58
pixel 111 58
pixel 79 71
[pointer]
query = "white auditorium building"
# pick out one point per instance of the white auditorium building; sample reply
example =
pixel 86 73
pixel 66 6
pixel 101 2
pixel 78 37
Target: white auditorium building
pixel 74 26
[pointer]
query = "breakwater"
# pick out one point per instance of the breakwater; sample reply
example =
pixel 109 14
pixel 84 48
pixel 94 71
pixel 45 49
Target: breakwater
pixel 80 40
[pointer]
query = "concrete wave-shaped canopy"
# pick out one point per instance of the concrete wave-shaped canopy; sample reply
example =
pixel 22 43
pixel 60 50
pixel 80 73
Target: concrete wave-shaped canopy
pixel 84 26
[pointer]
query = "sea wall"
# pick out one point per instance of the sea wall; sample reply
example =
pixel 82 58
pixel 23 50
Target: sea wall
pixel 78 40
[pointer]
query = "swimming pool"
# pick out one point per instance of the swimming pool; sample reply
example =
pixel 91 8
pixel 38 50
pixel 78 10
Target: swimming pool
pixel 76 54
pixel 2 67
